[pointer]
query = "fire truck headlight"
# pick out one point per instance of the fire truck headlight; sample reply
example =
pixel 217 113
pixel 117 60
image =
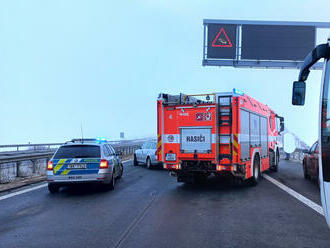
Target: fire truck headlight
pixel 170 156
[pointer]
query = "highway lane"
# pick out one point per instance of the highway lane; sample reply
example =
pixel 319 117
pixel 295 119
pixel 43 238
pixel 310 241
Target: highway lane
pixel 149 208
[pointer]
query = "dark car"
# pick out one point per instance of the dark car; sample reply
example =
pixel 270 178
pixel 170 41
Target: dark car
pixel 311 163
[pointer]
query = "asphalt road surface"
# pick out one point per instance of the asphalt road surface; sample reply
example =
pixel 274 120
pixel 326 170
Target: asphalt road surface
pixel 150 209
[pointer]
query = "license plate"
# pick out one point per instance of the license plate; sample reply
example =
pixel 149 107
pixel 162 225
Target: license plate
pixel 170 156
pixel 75 177
pixel 77 166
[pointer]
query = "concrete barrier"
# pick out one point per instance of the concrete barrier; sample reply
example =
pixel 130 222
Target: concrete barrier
pixel 25 168
pixel 8 172
pixel 40 166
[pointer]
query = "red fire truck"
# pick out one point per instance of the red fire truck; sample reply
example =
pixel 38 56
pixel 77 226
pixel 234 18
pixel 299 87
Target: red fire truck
pixel 221 133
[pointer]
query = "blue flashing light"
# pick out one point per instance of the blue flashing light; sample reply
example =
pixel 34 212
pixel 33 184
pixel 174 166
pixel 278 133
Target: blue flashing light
pixel 101 139
pixel 238 92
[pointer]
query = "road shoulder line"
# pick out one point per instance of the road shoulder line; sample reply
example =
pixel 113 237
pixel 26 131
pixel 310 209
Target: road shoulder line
pixel 296 195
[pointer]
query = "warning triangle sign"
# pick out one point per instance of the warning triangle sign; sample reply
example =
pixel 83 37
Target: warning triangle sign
pixel 222 39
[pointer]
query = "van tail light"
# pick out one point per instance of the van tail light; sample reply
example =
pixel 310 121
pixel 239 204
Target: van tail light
pixel 104 164
pixel 50 165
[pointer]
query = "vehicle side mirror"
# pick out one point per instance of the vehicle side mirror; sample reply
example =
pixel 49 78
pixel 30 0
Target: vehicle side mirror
pixel 298 93
pixel 282 127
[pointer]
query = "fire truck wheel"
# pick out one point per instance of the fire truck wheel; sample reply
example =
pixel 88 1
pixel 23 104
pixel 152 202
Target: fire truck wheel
pixel 135 162
pixel 148 163
pixel 273 161
pixel 277 161
pixel 256 171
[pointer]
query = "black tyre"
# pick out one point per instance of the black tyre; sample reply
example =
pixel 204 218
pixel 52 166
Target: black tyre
pixel 53 188
pixel 135 162
pixel 277 161
pixel 148 163
pixel 111 185
pixel 275 166
pixel 306 176
pixel 273 161
pixel 256 171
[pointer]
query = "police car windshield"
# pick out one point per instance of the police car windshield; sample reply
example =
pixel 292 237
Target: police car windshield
pixel 78 151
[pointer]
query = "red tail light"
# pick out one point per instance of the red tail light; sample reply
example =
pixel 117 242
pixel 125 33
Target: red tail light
pixel 50 165
pixel 172 166
pixel 225 168
pixel 104 164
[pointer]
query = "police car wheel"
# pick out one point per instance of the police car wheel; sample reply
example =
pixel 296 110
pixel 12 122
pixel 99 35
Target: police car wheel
pixel 148 163
pixel 111 185
pixel 53 188
pixel 135 162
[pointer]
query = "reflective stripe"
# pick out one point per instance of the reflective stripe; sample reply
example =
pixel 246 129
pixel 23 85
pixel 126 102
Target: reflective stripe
pixel 235 144
pixel 175 138
pixel 224 139
pixel 246 138
pixel 59 165
pixel 65 172
pixel 159 145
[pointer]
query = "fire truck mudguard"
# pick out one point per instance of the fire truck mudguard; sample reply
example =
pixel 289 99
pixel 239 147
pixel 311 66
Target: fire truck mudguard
pixel 220 133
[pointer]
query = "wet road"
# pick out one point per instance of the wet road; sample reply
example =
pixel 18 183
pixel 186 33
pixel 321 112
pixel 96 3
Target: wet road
pixel 150 209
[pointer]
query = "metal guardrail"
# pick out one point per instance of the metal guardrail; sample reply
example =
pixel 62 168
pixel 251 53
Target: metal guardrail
pixel 26 156
pixel 29 147
pixel 21 152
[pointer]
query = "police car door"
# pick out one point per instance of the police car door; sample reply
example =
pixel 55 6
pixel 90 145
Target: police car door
pixel 115 159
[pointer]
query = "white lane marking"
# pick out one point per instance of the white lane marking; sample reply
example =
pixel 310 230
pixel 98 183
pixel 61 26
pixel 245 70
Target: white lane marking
pixel 296 195
pixel 22 191
pixel 32 189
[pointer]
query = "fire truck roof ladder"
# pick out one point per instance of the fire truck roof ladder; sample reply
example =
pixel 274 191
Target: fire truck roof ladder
pixel 225 120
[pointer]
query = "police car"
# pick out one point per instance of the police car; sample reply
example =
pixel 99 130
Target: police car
pixel 83 161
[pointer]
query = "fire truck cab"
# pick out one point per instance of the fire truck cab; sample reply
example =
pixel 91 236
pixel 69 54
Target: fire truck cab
pixel 220 133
